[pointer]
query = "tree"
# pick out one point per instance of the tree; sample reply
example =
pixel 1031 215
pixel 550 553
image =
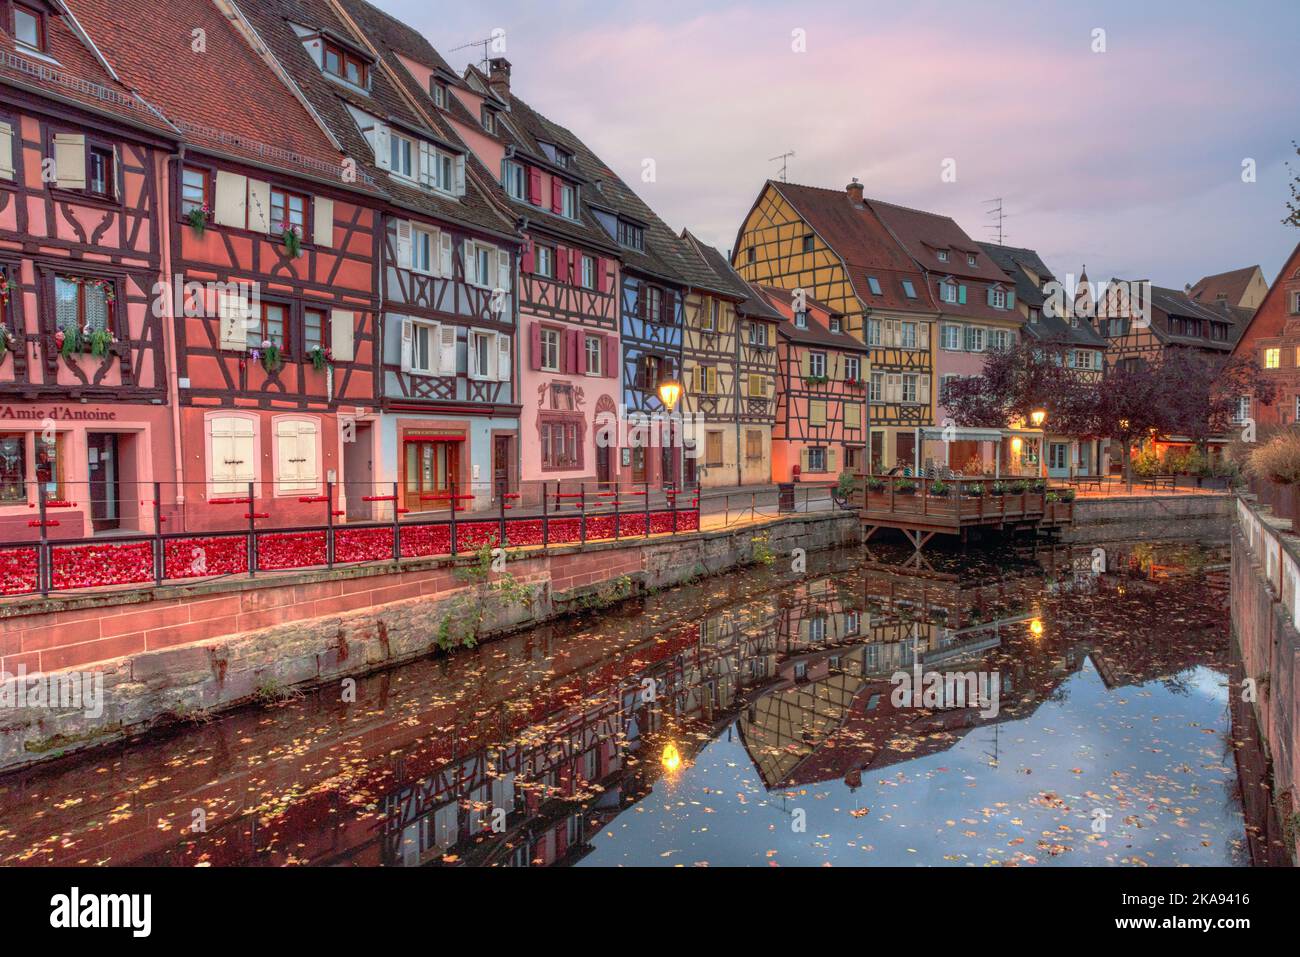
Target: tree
pixel 1015 383
pixel 1128 405
pixel 1202 392
pixel 1293 204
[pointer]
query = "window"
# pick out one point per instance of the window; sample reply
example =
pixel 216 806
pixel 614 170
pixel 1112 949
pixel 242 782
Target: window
pixel 749 254
pixel 313 330
pixel 907 331
pixel 817 364
pixel 998 299
pixel 852 368
pixel 481 358
pixel 817 412
pixel 852 415
pixel 424 247
pixel 81 303
pixel 489 119
pixel 99 172
pixel 753 445
pixel 908 289
pixel 836 325
pixel 29 27
pixel 401 155
pixel 1243 409
pixel 345 65
pixel 232 443
pixel 910 380
pixel 439 93
pixel 652 302
pixel 873 332
pixel 809 244
pixel 944 382
pixel 568 201
pixel 709 315
pixel 424 348
pixel 13 468
pixel 1057 456
pixel 588 272
pixel 970 259
pixel 801 319
pixel 271 327
pixel 1295 303
pixel 49 463
pixel 874 283
pixel 816 460
pixel 950 338
pixel 756 333
pixel 196 189
pixel 545 264
pixel 713 450
pixel 1001 340
pixel 948 291
pixel 595 354
pixel 649 371
pixel 877 387
pixel 758 385
pixel 289 211
pixel 974 339
pixel 550 341
pixel 630 235
pixel 943 255
pixel 297 456
pixel 516 181
pixel 1272 358
pixel 560 446
pixel 1297 408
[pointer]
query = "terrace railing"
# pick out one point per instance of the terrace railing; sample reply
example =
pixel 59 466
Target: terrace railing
pixel 960 502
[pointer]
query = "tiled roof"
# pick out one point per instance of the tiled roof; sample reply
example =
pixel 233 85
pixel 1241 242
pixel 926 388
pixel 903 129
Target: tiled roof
pixel 1013 260
pixel 1174 302
pixel 863 242
pixel 818 332
pixel 274 20
pixel 77 75
pixel 1230 285
pixel 752 302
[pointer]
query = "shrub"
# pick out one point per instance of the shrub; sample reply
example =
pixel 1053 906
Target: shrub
pixel 1018 487
pixel 939 487
pixel 846 484
pixel 973 489
pixel 875 484
pixel 998 488
pixel 1068 494
pixel 1278 460
pixel 905 487
pixel 1147 463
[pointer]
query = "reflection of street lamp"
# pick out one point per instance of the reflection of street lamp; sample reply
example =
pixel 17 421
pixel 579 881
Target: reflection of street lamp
pixel 671 758
pixel 670 391
pixel 1036 627
pixel 1038 417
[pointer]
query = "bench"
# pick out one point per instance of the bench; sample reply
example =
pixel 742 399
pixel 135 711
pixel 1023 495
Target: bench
pixel 1169 481
pixel 1088 481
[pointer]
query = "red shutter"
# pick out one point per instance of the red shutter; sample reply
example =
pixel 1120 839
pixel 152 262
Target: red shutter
pixel 556 202
pixel 561 264
pixel 601 278
pixel 610 345
pixel 534 186
pixel 526 261
pixel 573 356
pixel 535 346
pixel 575 268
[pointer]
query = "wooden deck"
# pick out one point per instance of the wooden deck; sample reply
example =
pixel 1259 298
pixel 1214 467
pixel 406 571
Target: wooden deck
pixel 959 505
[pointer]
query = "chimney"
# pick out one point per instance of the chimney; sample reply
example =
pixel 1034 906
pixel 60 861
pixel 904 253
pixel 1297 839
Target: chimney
pixel 854 190
pixel 499 76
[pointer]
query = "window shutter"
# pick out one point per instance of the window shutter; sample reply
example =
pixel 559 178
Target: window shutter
pixel 470 263
pixel 286 463
pixel 534 186
pixel 342 335
pixel 428 159
pixel 1011 299
pixel 322 229
pixel 259 206
pixel 535 346
pixel 6 151
pixel 526 257
pixel 405 237
pixel 232 200
pixel 923 389
pixel 961 294
pixel 711 381
pixel 233 450
pixel 503 269
pixel 803 460
pixel 602 280
pixel 70 160
pixel 989 295
pixel 805 363
pixel 503 357
pixel 459 185
pixel 556 202
pixel 446 266
pixel 446 350
pixel 611 357
pixel 232 312
pixel 408 345
pixel 561 265
pixel 832 460
pixel 379 140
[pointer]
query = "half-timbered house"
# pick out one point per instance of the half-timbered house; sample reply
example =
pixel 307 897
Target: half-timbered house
pixel 270 279
pixel 832 245
pixel 733 437
pixel 570 363
pixel 447 382
pixel 1272 338
pixel 85 424
pixel 821 424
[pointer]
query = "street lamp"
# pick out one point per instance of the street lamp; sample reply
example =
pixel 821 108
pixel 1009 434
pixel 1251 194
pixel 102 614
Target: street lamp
pixel 670 391
pixel 1038 417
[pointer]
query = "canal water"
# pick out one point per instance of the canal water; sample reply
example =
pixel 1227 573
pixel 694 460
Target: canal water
pixel 755 719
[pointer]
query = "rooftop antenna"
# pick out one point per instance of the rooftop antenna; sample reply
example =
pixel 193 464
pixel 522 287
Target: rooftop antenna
pixel 785 164
pixel 998 216
pixel 485 44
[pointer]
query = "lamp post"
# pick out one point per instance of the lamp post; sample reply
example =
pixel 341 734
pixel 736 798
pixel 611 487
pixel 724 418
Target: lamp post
pixel 1038 417
pixel 670 393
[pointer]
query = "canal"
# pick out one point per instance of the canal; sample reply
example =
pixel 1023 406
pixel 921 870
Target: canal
pixel 752 719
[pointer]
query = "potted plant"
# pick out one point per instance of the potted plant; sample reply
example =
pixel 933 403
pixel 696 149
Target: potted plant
pixel 816 380
pixel 292 237
pixel 1068 494
pixel 320 358
pixel 875 484
pixel 198 218
pixel 68 341
pixel 1040 486
pixel 1018 487
pixel 269 355
pixel 939 488
pixel 973 489
pixel 905 487
pixel 6 339
pixel 998 488
pixel 99 341
pixel 1053 497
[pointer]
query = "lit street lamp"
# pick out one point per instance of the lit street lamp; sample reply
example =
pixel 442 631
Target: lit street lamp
pixel 1038 417
pixel 670 391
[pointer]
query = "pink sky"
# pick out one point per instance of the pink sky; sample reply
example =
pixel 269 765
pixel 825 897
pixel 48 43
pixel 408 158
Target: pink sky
pixel 1128 160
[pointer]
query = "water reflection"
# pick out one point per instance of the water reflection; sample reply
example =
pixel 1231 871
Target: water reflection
pixel 747 720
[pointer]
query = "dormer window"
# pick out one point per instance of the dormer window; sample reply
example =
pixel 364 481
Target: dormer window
pixel 631 235
pixel 438 91
pixel 836 325
pixel 998 298
pixel 801 319
pixel 908 289
pixel 943 255
pixel 567 196
pixel 401 155
pixel 564 159
pixel 874 283
pixel 345 65
pixel 970 259
pixel 515 180
pixel 29 27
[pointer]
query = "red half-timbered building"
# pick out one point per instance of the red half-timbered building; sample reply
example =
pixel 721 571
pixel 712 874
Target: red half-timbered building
pixel 85 428
pixel 1272 338
pixel 269 272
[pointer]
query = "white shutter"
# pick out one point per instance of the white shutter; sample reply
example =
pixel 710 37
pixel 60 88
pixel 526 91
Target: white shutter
pixel 408 345
pixel 379 140
pixel 503 269
pixel 404 239
pixel 233 450
pixel 832 456
pixel 308 454
pixel 503 357
pixel 70 160
pixel 6 151
pixel 446 267
pixel 232 200
pixel 446 350
pixel 287 457
pixel 460 176
pixel 471 355
pixel 471 264
pixel 923 389
pixel 232 313
pixel 259 206
pixel 342 335
pixel 322 229
pixel 427 172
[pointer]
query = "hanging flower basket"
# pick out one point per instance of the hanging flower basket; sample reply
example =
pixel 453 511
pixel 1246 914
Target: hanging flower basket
pixel 198 217
pixel 99 341
pixel 292 239
pixel 7 289
pixel 270 356
pixel 68 341
pixel 321 358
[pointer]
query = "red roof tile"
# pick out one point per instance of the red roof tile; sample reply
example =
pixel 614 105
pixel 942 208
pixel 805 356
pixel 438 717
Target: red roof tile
pixel 1231 286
